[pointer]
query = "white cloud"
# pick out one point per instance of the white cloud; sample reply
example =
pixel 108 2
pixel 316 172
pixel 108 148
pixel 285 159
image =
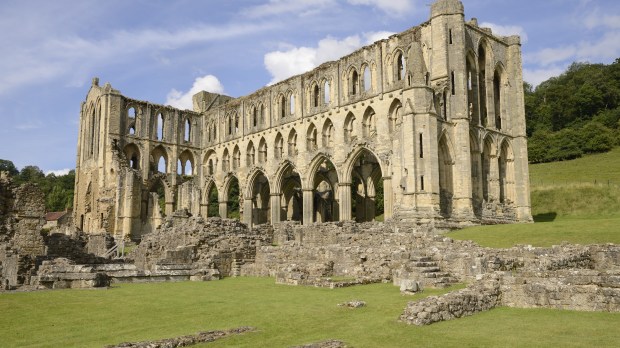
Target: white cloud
pixel 290 61
pixel 596 19
pixel 281 7
pixel 59 172
pixel 506 30
pixel 394 8
pixel 549 56
pixel 182 100
pixel 74 58
pixel 536 76
pixel 608 47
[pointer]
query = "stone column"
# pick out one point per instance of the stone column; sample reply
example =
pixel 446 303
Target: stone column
pixel 493 178
pixel 308 196
pixel 128 204
pixel 388 200
pixel 344 191
pixel 248 211
pixel 275 208
pixel 224 209
pixel 462 173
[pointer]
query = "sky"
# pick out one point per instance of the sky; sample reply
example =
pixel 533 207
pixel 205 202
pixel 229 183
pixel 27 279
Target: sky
pixel 164 51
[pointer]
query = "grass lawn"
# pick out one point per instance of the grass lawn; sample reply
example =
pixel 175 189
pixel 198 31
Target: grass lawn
pixel 283 315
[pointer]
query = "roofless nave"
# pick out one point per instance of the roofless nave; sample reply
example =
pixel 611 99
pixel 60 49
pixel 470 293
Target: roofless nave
pixel 427 124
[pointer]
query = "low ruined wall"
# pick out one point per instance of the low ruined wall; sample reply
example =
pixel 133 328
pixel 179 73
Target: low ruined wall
pixel 481 296
pixel 208 244
pixel 575 289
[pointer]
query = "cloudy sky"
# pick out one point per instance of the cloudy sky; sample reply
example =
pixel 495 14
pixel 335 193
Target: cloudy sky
pixel 164 51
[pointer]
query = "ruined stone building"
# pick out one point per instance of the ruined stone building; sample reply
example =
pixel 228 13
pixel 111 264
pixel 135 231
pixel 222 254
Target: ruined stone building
pixel 426 125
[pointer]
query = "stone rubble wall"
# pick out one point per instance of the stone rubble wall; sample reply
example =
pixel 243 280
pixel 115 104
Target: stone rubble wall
pixel 208 245
pixel 479 297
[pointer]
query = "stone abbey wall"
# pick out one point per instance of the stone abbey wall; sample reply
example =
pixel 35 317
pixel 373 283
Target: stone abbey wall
pixel 426 125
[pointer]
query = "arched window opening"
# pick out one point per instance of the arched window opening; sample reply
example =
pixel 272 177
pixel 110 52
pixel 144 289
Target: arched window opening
pixel 292 101
pixel 311 140
pixel 282 107
pixel 400 67
pixel 367 79
pixel 251 154
pixel 497 93
pixel 188 170
pixel 262 115
pixel 315 96
pixel 188 130
pixel 162 165
pixel 326 91
pixel 254 117
pixel 328 134
pixel 292 143
pixel 132 130
pixel 348 128
pixel 354 82
pixel 482 78
pixel 427 79
pixel 180 169
pixel 262 151
pixel 236 158
pixel 445 105
pixel 131 113
pixel 394 116
pixel 291 200
pixel 452 85
pixel 279 147
pixel 160 127
pixel 370 128
pixel 226 161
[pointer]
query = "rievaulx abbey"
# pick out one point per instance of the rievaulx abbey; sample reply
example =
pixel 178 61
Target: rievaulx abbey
pixel 425 126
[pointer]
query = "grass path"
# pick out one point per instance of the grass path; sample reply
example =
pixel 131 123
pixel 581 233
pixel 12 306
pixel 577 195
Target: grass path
pixel 283 315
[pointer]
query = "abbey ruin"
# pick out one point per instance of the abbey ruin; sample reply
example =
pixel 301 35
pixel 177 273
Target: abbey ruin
pixel 427 125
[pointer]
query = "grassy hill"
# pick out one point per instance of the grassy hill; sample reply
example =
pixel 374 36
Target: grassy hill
pixel 576 201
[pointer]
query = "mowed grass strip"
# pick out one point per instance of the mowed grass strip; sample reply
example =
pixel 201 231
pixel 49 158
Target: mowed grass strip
pixel 283 315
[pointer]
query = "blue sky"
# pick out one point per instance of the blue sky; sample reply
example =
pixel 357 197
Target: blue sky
pixel 162 51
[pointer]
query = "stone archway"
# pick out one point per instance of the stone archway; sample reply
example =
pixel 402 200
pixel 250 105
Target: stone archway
pixel 257 205
pixel 366 187
pixel 291 197
pixel 320 202
pixel 230 201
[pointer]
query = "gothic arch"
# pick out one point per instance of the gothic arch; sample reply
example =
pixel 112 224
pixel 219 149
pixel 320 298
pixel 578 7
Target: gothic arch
pixel 311 138
pixel 328 134
pixel 363 171
pixel 446 184
pixel 132 154
pixel 209 162
pixel 293 143
pixel 186 157
pixel 369 123
pixel 349 127
pixel 499 86
pixel 278 147
pixel 394 115
pixel 159 152
pixel 506 173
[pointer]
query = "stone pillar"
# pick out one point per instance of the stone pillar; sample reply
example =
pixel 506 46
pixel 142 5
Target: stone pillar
pixel 128 204
pixel 462 172
pixel 493 178
pixel 344 191
pixel 308 196
pixel 388 200
pixel 248 211
pixel 275 208
pixel 224 209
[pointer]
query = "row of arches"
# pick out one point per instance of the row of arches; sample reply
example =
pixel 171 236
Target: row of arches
pixel 158 127
pixel 325 193
pixel 486 88
pixel 159 161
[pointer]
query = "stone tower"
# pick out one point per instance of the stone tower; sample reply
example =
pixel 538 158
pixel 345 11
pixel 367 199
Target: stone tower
pixel 427 125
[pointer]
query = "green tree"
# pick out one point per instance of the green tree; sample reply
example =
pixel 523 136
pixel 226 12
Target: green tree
pixel 8 166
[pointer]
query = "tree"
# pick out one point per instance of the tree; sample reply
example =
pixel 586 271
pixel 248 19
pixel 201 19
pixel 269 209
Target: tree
pixel 8 166
pixel 31 174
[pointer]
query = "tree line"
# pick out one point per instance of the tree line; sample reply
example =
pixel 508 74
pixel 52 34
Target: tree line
pixel 575 113
pixel 58 189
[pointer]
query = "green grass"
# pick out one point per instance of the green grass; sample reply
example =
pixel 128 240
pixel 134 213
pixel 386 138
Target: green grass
pixel 566 205
pixel 283 315
pixel 601 168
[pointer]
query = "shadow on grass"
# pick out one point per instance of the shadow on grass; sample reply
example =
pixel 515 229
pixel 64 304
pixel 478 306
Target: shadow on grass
pixel 545 217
